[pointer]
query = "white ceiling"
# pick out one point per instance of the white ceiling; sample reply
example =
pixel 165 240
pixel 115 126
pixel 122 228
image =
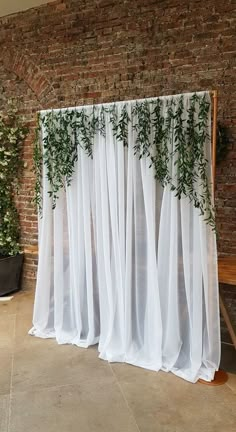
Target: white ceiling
pixel 12 6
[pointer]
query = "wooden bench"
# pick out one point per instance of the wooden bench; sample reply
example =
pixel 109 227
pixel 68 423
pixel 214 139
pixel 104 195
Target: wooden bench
pixel 227 275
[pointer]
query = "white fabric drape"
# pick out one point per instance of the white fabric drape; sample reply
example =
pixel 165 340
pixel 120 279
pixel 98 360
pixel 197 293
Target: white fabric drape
pixel 125 264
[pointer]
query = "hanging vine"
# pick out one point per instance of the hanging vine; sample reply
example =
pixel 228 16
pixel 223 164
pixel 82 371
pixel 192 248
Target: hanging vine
pixel 170 135
pixel 38 165
pixel 204 199
pixel 163 133
pixel 142 126
pixel 120 125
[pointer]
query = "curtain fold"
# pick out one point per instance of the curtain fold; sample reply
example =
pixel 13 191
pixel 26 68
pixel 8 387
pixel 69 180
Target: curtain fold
pixel 126 264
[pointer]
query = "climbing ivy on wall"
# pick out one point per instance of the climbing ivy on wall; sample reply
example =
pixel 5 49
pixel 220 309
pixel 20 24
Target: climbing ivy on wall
pixel 172 138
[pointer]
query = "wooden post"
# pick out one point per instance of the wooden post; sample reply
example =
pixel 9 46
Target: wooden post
pixel 220 376
pixel 214 139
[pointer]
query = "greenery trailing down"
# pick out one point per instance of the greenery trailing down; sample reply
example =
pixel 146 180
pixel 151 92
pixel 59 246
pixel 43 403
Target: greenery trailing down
pixel 38 163
pixel 180 152
pixel 120 125
pixel 12 135
pixel 190 158
pixel 170 132
pixel 163 133
pixel 142 126
pixel 203 200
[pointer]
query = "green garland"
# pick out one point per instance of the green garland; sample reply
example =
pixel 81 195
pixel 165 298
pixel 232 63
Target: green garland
pixel 13 132
pixel 172 138
pixel 38 162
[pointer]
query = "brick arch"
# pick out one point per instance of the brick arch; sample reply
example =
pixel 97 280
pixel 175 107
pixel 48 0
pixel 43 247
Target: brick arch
pixel 28 71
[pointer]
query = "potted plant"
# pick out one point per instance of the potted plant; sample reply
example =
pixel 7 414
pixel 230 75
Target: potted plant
pixel 12 135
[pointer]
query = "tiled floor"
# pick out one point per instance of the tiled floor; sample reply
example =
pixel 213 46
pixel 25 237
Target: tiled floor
pixel 45 387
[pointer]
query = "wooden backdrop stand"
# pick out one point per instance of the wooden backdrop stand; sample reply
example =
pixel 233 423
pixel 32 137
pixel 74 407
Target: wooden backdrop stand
pixel 220 376
pixel 214 95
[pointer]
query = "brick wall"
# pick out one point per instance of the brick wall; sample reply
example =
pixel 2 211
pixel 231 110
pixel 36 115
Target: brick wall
pixel 74 52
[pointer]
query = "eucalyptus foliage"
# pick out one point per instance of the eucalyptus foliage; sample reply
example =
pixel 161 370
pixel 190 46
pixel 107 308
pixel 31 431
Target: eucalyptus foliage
pixel 12 135
pixel 173 139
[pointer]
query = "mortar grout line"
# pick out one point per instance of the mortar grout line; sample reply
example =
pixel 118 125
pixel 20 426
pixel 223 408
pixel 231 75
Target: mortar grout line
pixel 124 397
pixel 43 389
pixel 11 380
pixel 54 387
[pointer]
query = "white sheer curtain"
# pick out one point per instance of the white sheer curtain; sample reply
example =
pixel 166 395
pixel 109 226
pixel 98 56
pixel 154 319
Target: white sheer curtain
pixel 125 264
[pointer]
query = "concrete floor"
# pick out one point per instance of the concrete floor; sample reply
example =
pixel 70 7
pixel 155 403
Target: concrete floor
pixel 51 388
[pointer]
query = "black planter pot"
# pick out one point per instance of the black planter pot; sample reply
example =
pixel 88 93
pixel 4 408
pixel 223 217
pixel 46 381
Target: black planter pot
pixel 10 272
